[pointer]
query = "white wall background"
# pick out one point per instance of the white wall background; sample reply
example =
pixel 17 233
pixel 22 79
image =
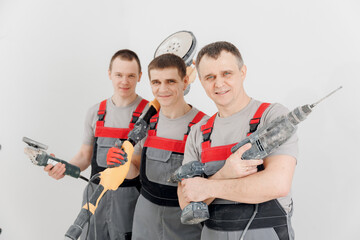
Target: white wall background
pixel 53 66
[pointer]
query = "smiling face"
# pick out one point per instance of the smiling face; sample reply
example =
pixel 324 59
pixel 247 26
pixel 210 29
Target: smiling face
pixel 222 79
pixel 167 86
pixel 124 75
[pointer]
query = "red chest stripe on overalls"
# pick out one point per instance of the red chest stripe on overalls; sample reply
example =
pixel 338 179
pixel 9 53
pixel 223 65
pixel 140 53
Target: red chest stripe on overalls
pixel 216 153
pixel 122 133
pixel 219 153
pixel 167 144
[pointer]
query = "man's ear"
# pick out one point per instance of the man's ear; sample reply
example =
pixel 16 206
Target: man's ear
pixel 140 74
pixel 191 73
pixel 109 74
pixel 243 71
pixel 186 82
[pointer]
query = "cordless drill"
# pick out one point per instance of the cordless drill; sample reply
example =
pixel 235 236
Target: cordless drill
pixel 263 142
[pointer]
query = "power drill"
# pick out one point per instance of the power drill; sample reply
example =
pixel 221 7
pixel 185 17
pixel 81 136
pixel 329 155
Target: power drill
pixel 38 156
pixel 263 141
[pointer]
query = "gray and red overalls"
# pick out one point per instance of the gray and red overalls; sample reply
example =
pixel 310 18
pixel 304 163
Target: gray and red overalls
pixel 231 217
pixel 158 202
pixel 114 215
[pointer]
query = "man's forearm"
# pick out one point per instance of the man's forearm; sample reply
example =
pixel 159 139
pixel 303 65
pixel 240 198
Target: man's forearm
pixel 182 202
pixel 83 158
pixel 134 167
pixel 80 162
pixel 274 182
pixel 216 176
pixel 251 189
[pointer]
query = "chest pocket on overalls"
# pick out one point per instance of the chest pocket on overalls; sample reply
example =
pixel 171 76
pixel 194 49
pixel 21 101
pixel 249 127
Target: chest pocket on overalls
pixel 160 165
pixel 103 146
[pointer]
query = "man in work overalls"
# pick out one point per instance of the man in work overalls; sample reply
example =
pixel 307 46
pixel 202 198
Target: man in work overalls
pixel 157 212
pixel 105 122
pixel 265 193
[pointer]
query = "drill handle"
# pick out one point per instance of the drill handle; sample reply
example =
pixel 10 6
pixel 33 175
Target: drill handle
pixel 240 144
pixel 188 170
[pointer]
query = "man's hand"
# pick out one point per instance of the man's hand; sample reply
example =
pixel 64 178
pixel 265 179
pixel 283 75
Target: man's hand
pixel 235 167
pixel 57 171
pixel 191 73
pixel 195 189
pixel 116 157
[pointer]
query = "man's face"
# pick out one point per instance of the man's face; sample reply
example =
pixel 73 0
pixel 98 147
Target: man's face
pixel 167 86
pixel 222 79
pixel 124 75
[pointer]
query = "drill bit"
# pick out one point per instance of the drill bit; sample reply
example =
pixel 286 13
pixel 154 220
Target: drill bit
pixel 314 104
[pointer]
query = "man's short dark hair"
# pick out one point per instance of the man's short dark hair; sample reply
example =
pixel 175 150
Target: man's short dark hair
pixel 168 60
pixel 125 54
pixel 214 50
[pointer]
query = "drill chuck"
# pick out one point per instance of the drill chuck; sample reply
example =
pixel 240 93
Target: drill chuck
pixel 299 114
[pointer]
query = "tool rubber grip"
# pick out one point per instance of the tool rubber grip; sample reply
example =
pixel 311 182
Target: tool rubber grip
pixel 45 159
pixel 71 170
pixel 76 229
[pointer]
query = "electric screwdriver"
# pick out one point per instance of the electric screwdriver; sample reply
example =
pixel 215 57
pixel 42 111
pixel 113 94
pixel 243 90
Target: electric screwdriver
pixel 263 142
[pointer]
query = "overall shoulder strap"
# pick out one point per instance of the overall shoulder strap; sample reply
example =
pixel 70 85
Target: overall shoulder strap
pixel 101 113
pixel 137 113
pixel 255 121
pixel 153 123
pixel 195 120
pixel 206 130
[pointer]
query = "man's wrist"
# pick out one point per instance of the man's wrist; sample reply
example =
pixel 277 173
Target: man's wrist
pixel 211 186
pixel 218 175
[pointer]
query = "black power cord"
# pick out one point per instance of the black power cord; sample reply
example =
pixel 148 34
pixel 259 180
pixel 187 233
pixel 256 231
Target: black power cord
pixel 250 221
pixel 84 178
